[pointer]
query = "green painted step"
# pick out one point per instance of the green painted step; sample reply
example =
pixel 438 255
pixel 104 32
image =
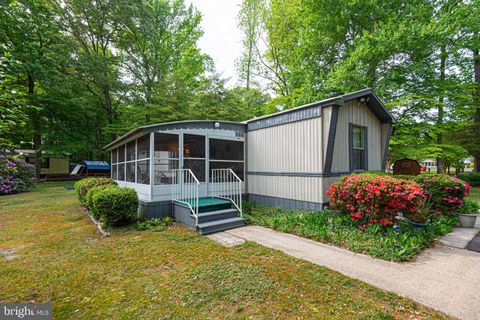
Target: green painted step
pixel 210 204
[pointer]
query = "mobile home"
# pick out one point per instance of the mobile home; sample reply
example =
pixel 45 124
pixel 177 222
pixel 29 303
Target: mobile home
pixel 199 171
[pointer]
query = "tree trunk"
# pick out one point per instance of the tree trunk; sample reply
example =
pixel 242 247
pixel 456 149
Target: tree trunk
pixel 37 137
pixel 476 101
pixel 109 109
pixel 441 111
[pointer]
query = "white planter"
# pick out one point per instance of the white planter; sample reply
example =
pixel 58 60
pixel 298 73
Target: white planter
pixel 467 220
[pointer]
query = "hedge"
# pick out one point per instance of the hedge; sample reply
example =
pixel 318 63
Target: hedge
pixel 374 199
pixel 84 185
pixel 115 206
pixel 91 193
pixel 472 178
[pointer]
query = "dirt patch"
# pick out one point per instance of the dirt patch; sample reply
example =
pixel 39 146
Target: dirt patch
pixel 9 252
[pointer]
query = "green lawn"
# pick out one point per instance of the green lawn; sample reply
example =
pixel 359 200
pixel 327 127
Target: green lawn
pixel 475 193
pixel 170 274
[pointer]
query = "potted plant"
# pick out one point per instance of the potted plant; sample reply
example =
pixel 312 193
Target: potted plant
pixel 467 214
pixel 420 217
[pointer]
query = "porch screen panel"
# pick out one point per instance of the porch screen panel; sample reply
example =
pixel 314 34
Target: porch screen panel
pixel 166 157
pixel 227 154
pixel 143 172
pixel 194 155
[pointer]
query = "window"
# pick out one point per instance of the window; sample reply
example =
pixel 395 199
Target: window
pixel 121 171
pixel 227 154
pixel 194 155
pixel 358 158
pixel 131 150
pixel 143 171
pixel 114 171
pixel 226 150
pixel 45 164
pixel 166 148
pixel 131 162
pixel 193 146
pixel 130 171
pixel 143 147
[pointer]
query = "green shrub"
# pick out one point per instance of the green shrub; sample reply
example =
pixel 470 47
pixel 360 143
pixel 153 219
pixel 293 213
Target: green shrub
pixel 374 199
pixel 470 205
pixel 16 176
pixel 86 184
pixel 339 229
pixel 154 224
pixel 445 193
pixel 472 178
pixel 115 206
pixel 91 193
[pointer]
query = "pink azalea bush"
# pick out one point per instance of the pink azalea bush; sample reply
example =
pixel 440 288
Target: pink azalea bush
pixel 445 193
pixel 374 199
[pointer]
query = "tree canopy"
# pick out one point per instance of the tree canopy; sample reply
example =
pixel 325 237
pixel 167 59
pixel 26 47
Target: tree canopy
pixel 76 74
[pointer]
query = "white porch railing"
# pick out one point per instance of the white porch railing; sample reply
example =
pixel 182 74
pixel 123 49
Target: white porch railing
pixel 185 188
pixel 225 184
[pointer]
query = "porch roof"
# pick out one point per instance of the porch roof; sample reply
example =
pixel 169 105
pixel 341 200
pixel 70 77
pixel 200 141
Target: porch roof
pixel 188 124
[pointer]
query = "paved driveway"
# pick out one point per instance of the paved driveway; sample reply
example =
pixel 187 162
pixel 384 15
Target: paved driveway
pixel 444 278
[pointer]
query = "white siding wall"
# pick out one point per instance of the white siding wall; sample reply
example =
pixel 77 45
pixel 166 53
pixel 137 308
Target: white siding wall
pixel 289 148
pixel 359 114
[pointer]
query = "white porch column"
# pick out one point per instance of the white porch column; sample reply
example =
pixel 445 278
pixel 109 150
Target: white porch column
pixel 152 164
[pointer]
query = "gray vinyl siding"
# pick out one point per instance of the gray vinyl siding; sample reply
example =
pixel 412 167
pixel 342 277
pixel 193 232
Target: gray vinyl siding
pixel 356 113
pixel 291 147
pixel 284 160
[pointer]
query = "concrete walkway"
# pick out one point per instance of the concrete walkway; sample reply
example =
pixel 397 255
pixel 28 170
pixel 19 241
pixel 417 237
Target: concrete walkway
pixel 443 278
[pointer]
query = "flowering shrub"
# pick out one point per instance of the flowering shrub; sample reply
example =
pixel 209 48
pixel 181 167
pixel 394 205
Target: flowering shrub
pixel 445 193
pixel 16 176
pixel 374 199
pixel 84 185
pixel 472 178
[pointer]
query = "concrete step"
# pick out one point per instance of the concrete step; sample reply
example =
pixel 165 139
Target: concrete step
pixel 216 215
pixel 220 225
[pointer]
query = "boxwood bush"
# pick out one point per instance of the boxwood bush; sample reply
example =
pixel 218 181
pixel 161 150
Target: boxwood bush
pixel 91 193
pixel 445 193
pixel 84 185
pixel 472 178
pixel 374 199
pixel 115 206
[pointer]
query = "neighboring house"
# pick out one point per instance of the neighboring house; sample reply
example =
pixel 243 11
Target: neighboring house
pixel 289 159
pixel 50 165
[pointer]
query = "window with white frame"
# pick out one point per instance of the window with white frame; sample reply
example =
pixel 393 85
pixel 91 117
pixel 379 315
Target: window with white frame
pixel 227 154
pixel 131 161
pixel 166 157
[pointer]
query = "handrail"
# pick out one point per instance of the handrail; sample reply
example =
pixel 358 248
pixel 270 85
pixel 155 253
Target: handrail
pixel 227 185
pixel 185 186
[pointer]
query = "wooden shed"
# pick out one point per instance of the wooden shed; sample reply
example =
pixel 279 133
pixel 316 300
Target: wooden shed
pixel 199 171
pixel 406 167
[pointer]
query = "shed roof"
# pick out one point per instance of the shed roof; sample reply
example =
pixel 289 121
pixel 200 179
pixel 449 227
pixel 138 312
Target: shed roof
pixel 96 165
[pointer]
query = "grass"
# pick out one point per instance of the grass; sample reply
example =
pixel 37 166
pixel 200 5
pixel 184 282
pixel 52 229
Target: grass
pixel 475 193
pixel 173 273
pixel 326 226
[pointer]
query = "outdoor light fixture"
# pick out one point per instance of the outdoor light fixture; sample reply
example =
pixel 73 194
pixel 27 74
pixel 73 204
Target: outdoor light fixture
pixel 217 124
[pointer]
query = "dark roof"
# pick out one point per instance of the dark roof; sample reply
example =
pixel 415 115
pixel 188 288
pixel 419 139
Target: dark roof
pixel 371 100
pixel 96 165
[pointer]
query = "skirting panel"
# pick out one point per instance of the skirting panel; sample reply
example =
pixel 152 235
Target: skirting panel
pixel 286 203
pixel 155 209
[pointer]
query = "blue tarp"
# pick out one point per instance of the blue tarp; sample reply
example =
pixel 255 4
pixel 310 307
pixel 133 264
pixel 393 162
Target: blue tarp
pixel 96 165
